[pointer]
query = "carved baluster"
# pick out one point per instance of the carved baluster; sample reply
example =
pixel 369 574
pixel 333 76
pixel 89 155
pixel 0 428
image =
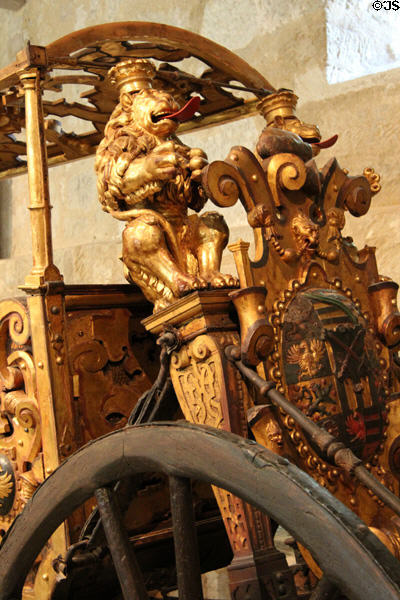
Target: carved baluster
pixel 42 250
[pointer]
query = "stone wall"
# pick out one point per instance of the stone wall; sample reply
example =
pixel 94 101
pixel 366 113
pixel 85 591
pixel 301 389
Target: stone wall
pixel 289 45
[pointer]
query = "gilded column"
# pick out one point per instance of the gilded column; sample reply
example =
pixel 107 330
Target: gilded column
pixel 42 251
pixel 43 270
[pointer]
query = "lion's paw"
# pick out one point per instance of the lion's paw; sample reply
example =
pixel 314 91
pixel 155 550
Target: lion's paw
pixel 188 283
pixel 219 280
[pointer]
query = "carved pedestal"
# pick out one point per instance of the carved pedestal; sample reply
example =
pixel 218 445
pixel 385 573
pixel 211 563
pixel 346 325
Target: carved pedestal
pixel 211 392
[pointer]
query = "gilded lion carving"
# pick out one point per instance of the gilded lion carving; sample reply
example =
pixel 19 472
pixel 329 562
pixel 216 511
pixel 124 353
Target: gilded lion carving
pixel 149 178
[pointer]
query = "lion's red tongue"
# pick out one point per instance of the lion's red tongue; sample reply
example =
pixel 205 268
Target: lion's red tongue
pixel 187 111
pixel 326 143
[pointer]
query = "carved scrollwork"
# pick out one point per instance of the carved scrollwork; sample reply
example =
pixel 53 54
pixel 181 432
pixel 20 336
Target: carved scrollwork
pixel 89 356
pixel 233 513
pixel 15 313
pixel 108 377
pixel 285 172
pixel 239 176
pixel 355 195
pixel 20 427
pixel 200 350
pixel 222 183
pixel 14 329
pixel 198 379
pixel 181 359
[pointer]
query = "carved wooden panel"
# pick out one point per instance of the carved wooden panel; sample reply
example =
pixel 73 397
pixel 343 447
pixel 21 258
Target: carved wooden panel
pixel 113 362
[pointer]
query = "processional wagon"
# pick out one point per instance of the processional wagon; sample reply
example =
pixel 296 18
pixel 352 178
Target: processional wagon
pixel 154 431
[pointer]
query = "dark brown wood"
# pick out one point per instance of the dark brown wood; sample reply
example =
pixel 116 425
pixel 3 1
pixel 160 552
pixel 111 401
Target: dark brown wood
pixel 354 559
pixel 325 590
pixel 125 563
pixel 185 539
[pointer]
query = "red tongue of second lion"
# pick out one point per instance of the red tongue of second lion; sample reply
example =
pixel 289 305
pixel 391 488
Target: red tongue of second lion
pixel 326 143
pixel 193 105
pixel 187 111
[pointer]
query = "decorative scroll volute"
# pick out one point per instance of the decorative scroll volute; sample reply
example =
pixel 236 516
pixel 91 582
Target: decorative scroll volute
pixel 285 172
pixel 240 176
pixel 21 468
pixel 224 184
pixel 383 298
pixel 14 325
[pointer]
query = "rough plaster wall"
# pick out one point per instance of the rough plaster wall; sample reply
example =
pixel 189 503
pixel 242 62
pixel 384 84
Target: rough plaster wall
pixel 362 41
pixel 289 46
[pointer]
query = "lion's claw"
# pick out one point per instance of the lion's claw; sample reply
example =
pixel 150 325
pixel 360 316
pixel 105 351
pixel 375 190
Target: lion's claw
pixel 188 283
pixel 219 280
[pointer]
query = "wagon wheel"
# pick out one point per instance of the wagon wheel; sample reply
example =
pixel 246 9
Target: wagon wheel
pixel 354 560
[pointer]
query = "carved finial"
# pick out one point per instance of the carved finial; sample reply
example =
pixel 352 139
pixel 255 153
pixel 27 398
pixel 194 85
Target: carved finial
pixel 132 75
pixel 240 251
pixel 279 111
pixel 281 104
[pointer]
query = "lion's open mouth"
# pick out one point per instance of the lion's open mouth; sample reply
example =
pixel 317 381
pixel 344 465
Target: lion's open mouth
pixel 181 115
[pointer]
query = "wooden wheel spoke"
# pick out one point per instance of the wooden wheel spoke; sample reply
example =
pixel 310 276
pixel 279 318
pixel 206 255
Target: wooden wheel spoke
pixel 185 539
pixel 356 562
pixel 125 562
pixel 325 590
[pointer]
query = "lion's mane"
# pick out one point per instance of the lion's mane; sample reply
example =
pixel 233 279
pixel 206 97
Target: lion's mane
pixel 121 137
pixel 126 139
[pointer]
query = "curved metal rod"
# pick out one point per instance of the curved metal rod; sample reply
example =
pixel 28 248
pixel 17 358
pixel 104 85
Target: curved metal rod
pixel 330 447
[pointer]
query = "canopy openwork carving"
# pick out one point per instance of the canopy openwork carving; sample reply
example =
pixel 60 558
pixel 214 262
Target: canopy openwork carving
pixel 187 64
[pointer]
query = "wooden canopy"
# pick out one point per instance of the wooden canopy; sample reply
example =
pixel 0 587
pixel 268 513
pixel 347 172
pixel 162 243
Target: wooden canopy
pixel 78 99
